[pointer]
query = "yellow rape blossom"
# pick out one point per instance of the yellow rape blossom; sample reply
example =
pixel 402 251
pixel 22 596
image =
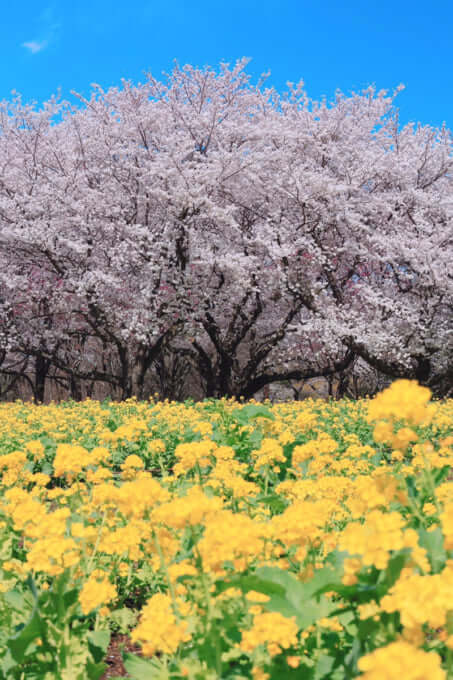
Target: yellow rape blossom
pixel 374 540
pixel 95 592
pixel 401 660
pixel 159 630
pixel 271 629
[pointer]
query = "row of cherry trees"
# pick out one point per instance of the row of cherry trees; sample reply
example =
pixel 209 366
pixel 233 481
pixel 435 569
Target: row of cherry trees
pixel 208 234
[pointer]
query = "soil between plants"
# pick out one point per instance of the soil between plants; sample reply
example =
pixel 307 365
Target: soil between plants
pixel 114 659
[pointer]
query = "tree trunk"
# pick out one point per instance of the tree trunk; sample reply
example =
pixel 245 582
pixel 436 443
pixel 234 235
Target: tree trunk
pixel 75 388
pixel 41 370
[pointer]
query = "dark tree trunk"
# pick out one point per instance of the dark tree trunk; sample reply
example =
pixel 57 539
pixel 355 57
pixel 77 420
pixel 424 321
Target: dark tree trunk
pixel 75 387
pixel 41 370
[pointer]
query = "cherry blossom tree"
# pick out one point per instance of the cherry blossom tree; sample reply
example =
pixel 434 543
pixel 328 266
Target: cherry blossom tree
pixel 210 227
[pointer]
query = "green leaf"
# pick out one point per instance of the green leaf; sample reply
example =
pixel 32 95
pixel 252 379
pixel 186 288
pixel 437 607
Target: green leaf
pixel 281 671
pixel 394 567
pixel 352 658
pixel 288 596
pixel 254 439
pixel 251 582
pixel 141 669
pixel 15 600
pixel 324 666
pixel 70 597
pixel 6 547
pixel 7 664
pixel 98 642
pixel 95 670
pixel 31 584
pixel 316 586
pixel 433 542
pixel 251 412
pixel 32 631
pixel 124 618
pixel 275 502
pixel 298 599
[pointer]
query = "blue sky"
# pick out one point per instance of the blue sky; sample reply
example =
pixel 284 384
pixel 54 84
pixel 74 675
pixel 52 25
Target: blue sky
pixel 69 44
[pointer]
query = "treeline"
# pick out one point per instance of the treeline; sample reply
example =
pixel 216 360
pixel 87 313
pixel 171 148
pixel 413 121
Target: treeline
pixel 204 236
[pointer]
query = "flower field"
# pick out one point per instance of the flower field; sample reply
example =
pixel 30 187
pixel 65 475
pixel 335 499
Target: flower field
pixel 228 540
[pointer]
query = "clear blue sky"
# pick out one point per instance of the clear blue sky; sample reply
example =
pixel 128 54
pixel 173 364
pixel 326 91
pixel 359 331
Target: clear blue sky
pixel 330 44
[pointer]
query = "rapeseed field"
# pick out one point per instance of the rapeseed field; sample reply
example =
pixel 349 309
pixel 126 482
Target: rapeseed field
pixel 228 540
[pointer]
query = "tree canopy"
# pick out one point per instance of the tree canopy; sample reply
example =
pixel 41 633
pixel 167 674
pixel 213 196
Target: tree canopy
pixel 204 230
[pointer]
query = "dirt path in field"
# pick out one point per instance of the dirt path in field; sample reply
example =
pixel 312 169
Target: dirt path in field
pixel 114 659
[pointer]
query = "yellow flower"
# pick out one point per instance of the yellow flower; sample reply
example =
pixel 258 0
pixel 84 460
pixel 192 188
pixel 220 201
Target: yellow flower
pixel 123 568
pixel 96 592
pixel 192 453
pixel 36 449
pixel 70 460
pixel 374 540
pixel 131 465
pixel 271 629
pixel 259 674
pixel 269 452
pixel 429 509
pixel 383 433
pixel 403 437
pixel 330 623
pixel 254 596
pixel 133 461
pixel 366 611
pixel 401 660
pixel 446 518
pixel 421 598
pixel 159 630
pixel 403 400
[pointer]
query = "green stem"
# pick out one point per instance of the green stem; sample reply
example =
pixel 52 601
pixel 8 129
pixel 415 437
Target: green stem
pixel 162 466
pixel 414 508
pixel 167 575
pixel 266 483
pixel 96 545
pixel 212 625
pixel 200 476
pixel 431 485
